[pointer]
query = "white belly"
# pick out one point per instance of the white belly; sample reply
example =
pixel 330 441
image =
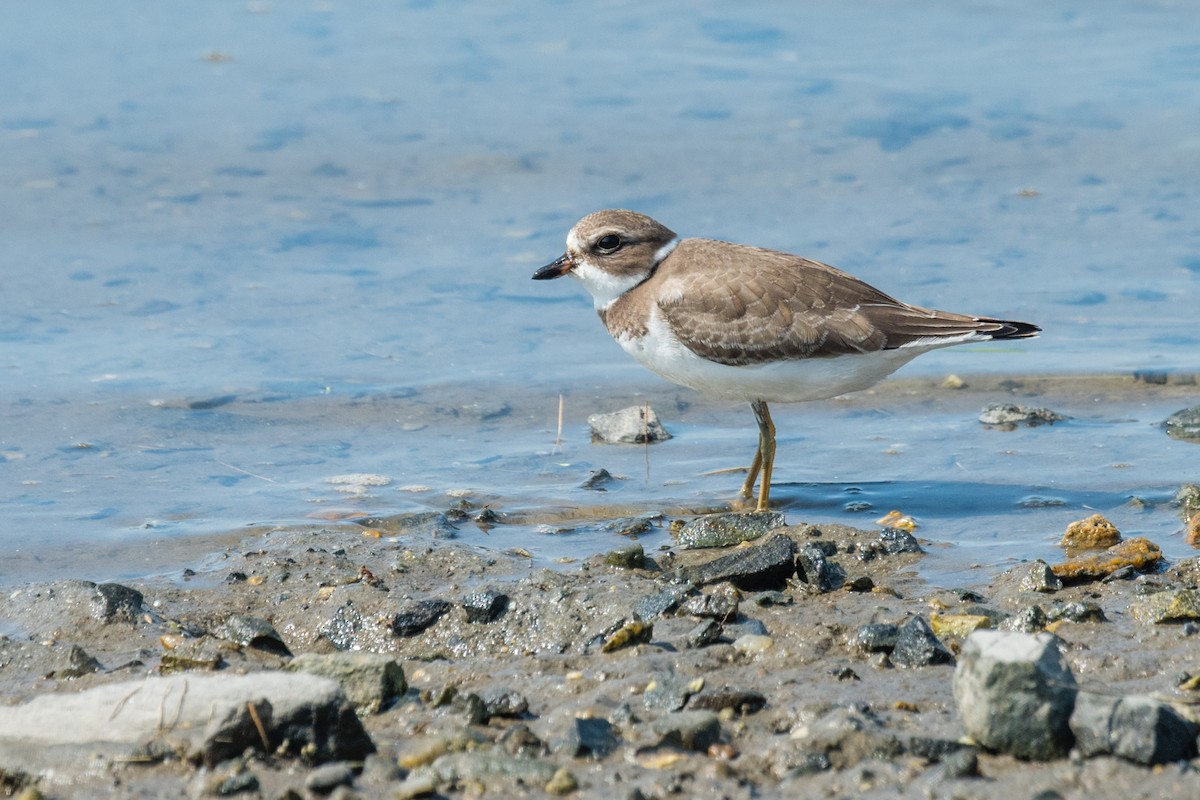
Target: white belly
pixel 777 381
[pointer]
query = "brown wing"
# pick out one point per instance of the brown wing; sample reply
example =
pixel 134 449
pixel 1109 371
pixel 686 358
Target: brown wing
pixel 739 305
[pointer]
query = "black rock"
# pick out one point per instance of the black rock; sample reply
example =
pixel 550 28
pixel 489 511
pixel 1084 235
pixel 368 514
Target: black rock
pixel 485 606
pixel 598 480
pixel 918 646
pixel 898 540
pixel 116 603
pixel 877 637
pixel 934 749
pixel 752 569
pixel 817 571
pixel 703 634
pixel 416 617
pixel 741 701
pixel 653 605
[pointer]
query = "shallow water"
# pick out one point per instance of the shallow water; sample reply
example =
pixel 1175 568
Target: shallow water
pixel 250 247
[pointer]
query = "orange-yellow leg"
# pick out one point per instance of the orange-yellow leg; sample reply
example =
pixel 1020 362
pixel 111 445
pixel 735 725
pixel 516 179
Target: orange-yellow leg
pixel 764 457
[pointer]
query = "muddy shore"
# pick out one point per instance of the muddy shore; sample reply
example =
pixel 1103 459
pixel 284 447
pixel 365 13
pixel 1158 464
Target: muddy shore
pixel 524 681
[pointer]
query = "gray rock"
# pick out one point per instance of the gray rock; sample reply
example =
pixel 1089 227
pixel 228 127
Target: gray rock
pixel 1178 605
pixel 654 605
pixel 201 717
pixel 249 631
pixel 416 617
pixel 721 603
pixel 1187 500
pixel 327 777
pixel 77 662
pixel 689 730
pixel 702 635
pixel 1076 611
pixel 877 637
pixel 424 523
pixel 1029 620
pixel 1008 416
pixel 1040 578
pixel 747 627
pixel 755 568
pixel 1184 424
pixel 918 646
pixel 591 737
pixel 670 692
pixel 116 603
pixel 485 606
pixel 724 530
pixel 1015 694
pixel 370 681
pixel 483 765
pixel 821 574
pixel 598 480
pixel 633 425
pixel 507 703
pixel 1136 728
pixel 343 627
pixel 847 735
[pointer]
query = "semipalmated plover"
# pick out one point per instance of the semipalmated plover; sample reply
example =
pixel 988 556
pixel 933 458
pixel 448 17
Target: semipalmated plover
pixel 750 324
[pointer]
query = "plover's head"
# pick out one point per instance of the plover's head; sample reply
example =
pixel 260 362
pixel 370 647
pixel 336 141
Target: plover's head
pixel 610 252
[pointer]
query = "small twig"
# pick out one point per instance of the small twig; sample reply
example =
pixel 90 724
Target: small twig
pixel 262 731
pixel 558 436
pixel 244 471
pixel 646 434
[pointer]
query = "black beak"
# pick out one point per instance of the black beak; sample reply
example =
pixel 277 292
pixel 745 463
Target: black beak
pixel 555 269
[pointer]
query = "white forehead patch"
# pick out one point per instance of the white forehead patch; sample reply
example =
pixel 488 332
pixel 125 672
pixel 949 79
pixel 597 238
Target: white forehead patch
pixel 602 285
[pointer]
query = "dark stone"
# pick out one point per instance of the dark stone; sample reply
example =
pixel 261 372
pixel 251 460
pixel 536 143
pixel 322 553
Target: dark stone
pixel 78 662
pixel 116 603
pixel 818 572
pixel 773 599
pixel 485 606
pixel 720 604
pixel 703 634
pixel 243 780
pixel 518 740
pixel 741 701
pixel 416 617
pixel 898 540
pixel 689 730
pixel 863 583
pixel 918 646
pixel 755 568
pixel 934 749
pixel 877 637
pixel 249 631
pixel 668 691
pixel 747 627
pixel 424 523
pixel 598 480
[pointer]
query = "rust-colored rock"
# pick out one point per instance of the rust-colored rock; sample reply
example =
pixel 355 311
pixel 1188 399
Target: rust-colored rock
pixel 1193 530
pixel 1139 553
pixel 1093 533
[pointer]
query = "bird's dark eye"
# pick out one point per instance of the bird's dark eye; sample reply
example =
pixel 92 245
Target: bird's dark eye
pixel 609 244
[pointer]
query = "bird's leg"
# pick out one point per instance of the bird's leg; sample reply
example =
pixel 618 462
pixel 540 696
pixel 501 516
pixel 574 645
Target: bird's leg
pixel 748 486
pixel 766 451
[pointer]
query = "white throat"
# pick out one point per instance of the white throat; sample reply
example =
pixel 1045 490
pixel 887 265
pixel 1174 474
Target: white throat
pixel 605 287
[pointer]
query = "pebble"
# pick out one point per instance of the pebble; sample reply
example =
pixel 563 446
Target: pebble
pixel 598 480
pixel 689 730
pixel 817 572
pixel 1178 605
pixel 1040 578
pixel 957 626
pixel 1008 416
pixel 249 631
pixel 417 616
pixel 113 602
pixel 918 646
pixel 877 637
pixel 327 777
pixel 630 557
pixel 721 603
pixel 739 701
pixel 670 692
pixel 751 643
pixel 1093 533
pixel 633 425
pixel 898 540
pixel 1015 694
pixel 725 530
pixel 484 606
